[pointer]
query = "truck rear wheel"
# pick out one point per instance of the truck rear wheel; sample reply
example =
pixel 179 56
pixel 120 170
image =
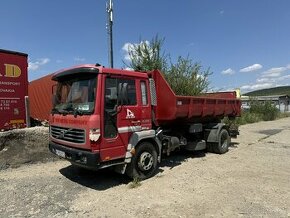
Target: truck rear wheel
pixel 144 163
pixel 222 146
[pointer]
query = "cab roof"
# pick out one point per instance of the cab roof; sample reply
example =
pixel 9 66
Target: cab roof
pixel 96 69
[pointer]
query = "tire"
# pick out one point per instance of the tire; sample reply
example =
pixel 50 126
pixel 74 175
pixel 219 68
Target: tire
pixel 222 146
pixel 209 147
pixel 144 163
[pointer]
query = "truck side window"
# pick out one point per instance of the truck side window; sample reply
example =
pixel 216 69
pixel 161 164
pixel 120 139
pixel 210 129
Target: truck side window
pixel 110 119
pixel 131 91
pixel 144 93
pixel 111 93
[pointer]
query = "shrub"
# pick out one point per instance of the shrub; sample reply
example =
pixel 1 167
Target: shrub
pixel 259 111
pixel 267 110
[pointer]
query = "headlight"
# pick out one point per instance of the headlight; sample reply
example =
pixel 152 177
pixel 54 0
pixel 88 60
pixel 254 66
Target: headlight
pixel 94 134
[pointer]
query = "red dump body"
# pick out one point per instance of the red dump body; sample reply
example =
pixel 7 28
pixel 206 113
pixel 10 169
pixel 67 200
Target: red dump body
pixel 13 89
pixel 205 108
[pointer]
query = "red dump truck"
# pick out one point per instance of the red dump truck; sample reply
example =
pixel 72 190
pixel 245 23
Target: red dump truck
pixel 104 117
pixel 13 89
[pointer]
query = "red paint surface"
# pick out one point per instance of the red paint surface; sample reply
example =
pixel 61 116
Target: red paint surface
pixel 171 108
pixel 40 97
pixel 13 89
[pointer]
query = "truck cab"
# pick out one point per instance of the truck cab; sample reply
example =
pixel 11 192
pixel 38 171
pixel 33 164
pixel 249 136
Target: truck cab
pixel 103 117
pixel 95 112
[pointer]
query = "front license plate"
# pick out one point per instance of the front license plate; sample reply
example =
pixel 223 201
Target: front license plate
pixel 60 153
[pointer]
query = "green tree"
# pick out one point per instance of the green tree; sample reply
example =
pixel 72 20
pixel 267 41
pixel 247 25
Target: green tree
pixel 185 77
pixel 147 56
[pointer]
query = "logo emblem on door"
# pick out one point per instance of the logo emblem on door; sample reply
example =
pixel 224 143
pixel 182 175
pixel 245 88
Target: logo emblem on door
pixel 130 114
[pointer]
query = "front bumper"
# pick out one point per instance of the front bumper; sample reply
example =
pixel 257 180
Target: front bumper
pixel 76 156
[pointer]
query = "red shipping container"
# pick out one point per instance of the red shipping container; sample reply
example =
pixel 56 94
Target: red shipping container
pixel 13 89
pixel 40 97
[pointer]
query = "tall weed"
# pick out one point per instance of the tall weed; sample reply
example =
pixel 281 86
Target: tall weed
pixel 259 111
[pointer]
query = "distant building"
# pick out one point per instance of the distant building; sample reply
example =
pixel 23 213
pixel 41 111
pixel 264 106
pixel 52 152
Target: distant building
pixel 282 102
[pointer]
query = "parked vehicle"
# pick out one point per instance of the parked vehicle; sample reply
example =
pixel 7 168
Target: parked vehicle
pixel 13 89
pixel 104 117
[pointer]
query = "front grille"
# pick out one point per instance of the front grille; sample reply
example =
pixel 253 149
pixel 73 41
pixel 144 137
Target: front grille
pixel 68 134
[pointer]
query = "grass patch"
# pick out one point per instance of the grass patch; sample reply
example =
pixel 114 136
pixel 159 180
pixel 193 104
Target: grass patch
pixel 135 183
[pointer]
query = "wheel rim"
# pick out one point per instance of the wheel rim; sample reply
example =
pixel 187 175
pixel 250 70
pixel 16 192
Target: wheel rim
pixel 145 161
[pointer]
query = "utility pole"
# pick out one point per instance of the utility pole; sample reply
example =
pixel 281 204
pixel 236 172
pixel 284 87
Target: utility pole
pixel 109 7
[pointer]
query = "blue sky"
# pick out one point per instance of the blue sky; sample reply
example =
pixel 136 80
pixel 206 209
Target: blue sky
pixel 246 43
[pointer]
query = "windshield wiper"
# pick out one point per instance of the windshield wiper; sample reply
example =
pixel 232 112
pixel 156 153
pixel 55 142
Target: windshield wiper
pixel 74 111
pixel 57 111
pixel 54 111
pixel 77 112
pixel 68 110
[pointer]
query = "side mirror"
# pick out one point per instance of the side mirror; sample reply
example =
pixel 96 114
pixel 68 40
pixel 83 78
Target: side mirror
pixel 123 94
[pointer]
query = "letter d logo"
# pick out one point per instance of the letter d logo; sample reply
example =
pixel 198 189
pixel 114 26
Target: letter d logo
pixel 12 70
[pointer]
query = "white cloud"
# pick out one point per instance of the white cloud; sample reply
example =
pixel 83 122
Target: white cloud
pixel 228 71
pixel 245 87
pixel 274 72
pixel 78 59
pixel 251 68
pixel 264 80
pixel 283 78
pixel 272 77
pixel 274 80
pixel 33 66
pixel 126 48
pixel 257 86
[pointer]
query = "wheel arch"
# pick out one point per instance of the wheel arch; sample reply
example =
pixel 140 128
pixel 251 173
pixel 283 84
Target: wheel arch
pixel 152 141
pixel 213 131
pixel 148 135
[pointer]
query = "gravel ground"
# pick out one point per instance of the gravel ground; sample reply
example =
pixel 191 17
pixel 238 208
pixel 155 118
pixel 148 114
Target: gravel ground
pixel 22 146
pixel 251 180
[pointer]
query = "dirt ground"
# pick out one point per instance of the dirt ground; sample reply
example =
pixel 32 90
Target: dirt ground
pixel 251 180
pixel 21 146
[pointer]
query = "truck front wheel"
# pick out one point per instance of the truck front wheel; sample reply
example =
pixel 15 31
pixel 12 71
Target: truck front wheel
pixel 144 163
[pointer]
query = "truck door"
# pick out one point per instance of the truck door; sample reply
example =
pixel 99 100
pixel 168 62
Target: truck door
pixel 146 121
pixel 120 120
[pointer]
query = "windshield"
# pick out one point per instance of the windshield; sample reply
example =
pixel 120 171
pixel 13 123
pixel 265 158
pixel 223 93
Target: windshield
pixel 76 96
